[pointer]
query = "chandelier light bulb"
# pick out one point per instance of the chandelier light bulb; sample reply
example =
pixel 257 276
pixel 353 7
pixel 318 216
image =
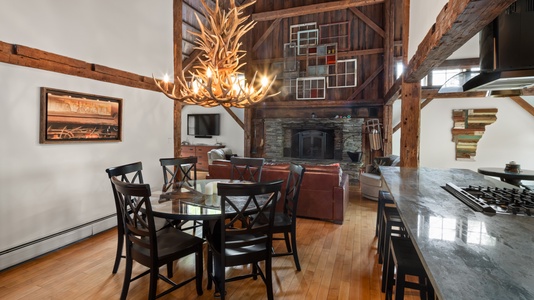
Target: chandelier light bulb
pixel 264 81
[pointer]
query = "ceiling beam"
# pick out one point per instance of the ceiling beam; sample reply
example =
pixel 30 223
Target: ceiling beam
pixel 311 9
pixel 340 55
pixel 524 104
pixel 457 22
pixel 394 92
pixel 34 58
pixel 362 86
pixel 266 34
pixel 358 13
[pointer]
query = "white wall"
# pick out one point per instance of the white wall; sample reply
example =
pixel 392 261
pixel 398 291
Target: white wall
pixel 232 135
pixel 48 188
pixel 511 137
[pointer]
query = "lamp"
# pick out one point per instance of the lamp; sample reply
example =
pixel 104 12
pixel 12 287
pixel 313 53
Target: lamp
pixel 216 80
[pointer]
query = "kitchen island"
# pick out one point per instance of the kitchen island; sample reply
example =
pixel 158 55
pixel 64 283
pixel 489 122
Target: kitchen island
pixel 467 254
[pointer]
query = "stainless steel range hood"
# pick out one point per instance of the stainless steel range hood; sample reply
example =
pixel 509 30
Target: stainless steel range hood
pixel 507 51
pixel 500 80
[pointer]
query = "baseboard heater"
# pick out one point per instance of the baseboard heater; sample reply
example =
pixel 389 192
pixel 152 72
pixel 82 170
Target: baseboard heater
pixel 33 249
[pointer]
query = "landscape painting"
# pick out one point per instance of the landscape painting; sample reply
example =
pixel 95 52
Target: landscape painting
pixel 76 117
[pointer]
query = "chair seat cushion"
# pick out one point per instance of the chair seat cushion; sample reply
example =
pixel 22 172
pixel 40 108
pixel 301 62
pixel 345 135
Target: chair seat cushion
pixel 171 241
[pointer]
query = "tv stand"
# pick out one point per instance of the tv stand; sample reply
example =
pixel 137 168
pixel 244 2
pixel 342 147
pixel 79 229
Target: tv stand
pixel 201 152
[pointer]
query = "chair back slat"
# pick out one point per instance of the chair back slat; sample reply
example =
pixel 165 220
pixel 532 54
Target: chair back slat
pixel 130 173
pixel 136 209
pixel 294 180
pixel 178 171
pixel 237 202
pixel 246 168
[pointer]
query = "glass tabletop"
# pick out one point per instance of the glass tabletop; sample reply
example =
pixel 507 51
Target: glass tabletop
pixel 196 202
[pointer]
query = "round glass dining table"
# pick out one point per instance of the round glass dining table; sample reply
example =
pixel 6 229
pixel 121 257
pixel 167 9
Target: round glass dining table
pixel 198 201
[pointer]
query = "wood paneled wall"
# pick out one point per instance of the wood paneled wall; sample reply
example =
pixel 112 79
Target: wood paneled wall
pixel 366 44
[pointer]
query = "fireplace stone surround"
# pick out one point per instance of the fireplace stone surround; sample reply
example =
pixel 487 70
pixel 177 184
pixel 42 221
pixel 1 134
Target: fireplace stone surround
pixel 279 139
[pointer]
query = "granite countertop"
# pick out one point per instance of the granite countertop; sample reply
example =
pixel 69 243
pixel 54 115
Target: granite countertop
pixel 467 254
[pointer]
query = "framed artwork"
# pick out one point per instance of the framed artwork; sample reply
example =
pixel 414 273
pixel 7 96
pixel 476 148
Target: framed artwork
pixel 76 117
pixel 469 127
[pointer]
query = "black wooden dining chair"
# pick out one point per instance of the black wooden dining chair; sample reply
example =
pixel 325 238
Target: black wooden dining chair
pixel 150 247
pixel 246 168
pixel 236 239
pixel 130 173
pixel 177 173
pixel 285 222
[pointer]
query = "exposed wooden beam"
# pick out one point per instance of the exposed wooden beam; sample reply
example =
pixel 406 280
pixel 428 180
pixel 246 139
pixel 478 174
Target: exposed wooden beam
pixel 311 9
pixel 340 55
pixel 524 104
pixel 434 94
pixel 266 34
pixel 284 104
pixel 190 61
pixel 235 117
pixel 362 86
pixel 394 92
pixel 457 22
pixel 367 21
pixel 177 53
pixel 389 53
pixel 462 63
pixel 43 60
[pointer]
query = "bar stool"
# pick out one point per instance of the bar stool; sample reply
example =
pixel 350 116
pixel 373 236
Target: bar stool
pixel 391 224
pixel 384 198
pixel 404 259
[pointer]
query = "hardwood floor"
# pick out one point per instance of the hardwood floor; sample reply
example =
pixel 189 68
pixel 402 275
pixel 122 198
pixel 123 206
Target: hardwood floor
pixel 338 262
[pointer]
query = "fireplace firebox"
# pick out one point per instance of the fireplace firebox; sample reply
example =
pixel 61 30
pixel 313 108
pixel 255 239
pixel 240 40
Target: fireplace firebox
pixel 312 144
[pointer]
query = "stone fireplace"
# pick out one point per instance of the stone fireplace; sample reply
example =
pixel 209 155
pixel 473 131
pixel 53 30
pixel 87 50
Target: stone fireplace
pixel 314 141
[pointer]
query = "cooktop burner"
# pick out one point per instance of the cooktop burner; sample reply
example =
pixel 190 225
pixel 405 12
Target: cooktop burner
pixel 494 200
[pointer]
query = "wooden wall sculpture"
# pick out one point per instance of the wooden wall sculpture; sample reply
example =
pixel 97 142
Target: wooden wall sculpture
pixel 469 126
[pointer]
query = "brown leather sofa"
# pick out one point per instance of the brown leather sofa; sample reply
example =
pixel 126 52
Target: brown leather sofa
pixel 324 192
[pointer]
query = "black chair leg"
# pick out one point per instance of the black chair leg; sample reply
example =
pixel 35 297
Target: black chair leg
pixel 209 266
pixel 295 253
pixel 154 272
pixel 269 279
pixel 199 262
pixel 127 278
pixel 118 255
pixel 255 271
pixel 220 280
pixel 423 293
pixel 399 285
pixel 388 278
pixel 286 239
pixel 169 270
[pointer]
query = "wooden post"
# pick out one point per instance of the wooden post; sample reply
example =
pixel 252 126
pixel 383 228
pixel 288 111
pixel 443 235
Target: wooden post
pixel 411 121
pixel 411 104
pixel 177 53
pixel 389 74
pixel 387 134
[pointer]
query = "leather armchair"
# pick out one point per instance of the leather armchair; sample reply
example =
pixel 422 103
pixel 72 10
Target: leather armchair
pixel 371 181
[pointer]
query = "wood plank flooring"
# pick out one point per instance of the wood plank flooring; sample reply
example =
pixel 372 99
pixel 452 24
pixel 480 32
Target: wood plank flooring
pixel 338 262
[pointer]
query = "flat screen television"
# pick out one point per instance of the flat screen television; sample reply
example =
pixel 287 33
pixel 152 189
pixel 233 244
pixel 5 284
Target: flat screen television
pixel 203 125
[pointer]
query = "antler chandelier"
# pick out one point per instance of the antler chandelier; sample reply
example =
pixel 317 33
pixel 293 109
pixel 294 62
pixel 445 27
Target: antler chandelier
pixel 216 80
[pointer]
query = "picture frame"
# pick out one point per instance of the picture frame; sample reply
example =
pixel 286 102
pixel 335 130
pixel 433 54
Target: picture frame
pixel 70 117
